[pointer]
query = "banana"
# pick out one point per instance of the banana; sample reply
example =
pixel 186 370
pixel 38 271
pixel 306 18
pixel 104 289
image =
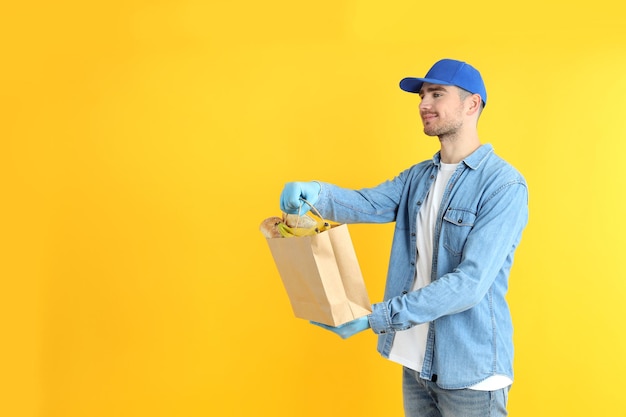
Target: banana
pixel 284 230
pixel 275 227
pixel 287 231
pixel 322 226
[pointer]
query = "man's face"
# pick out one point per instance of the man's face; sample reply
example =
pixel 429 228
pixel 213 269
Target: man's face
pixel 441 109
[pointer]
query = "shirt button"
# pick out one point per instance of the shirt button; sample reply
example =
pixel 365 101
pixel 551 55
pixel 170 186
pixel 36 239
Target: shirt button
pixel 419 203
pixel 460 221
pixel 405 292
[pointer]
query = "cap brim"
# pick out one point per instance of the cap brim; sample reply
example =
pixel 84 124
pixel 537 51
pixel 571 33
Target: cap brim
pixel 414 85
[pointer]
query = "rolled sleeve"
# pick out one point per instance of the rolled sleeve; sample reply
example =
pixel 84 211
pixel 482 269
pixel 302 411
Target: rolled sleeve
pixel 379 319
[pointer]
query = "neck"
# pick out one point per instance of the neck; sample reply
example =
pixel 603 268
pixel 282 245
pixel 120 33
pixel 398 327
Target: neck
pixel 455 149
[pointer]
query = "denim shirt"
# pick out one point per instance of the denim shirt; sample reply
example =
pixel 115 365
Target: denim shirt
pixel 483 212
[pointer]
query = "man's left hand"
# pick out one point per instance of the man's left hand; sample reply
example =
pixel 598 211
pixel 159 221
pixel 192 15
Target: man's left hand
pixel 347 329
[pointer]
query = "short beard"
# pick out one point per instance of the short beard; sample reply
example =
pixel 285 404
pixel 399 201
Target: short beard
pixel 447 130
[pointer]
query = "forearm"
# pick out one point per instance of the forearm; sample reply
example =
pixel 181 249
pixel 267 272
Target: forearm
pixel 368 205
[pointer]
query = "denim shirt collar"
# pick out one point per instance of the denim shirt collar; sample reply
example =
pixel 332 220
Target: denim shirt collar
pixel 473 160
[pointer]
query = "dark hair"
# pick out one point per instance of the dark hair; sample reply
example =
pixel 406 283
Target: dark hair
pixel 463 93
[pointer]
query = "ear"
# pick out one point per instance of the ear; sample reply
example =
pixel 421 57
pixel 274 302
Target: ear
pixel 474 103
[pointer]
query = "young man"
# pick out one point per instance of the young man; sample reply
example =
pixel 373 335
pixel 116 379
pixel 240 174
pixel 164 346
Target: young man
pixel 459 218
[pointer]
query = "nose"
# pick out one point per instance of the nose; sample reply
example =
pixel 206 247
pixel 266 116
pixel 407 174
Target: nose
pixel 424 103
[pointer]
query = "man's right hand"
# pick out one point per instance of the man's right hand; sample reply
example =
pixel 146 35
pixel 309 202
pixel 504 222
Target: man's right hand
pixel 293 194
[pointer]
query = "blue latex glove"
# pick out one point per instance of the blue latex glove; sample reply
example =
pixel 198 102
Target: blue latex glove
pixel 347 329
pixel 293 193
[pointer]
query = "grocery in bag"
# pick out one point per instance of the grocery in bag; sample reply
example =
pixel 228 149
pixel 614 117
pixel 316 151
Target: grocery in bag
pixel 318 267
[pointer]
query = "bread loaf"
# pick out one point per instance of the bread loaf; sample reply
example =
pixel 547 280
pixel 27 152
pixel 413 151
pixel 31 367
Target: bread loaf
pixel 269 227
pixel 293 220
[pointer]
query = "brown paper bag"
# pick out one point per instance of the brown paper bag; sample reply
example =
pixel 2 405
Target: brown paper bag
pixel 322 276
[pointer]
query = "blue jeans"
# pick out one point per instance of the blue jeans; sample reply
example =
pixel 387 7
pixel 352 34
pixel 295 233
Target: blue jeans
pixel 424 398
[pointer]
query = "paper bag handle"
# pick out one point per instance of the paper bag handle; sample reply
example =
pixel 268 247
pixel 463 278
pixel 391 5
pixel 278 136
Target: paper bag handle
pixel 317 213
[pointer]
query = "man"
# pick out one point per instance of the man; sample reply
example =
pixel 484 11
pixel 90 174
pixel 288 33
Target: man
pixel 459 218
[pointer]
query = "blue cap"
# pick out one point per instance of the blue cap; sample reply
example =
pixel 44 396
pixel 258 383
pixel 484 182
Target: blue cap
pixel 449 72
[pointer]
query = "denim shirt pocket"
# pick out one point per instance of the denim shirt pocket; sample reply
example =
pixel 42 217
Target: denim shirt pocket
pixel 456 227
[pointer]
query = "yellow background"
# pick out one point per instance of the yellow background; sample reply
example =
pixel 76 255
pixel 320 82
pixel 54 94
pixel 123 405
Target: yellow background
pixel 142 142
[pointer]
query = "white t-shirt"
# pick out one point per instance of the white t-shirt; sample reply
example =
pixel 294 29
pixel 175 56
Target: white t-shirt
pixel 409 346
